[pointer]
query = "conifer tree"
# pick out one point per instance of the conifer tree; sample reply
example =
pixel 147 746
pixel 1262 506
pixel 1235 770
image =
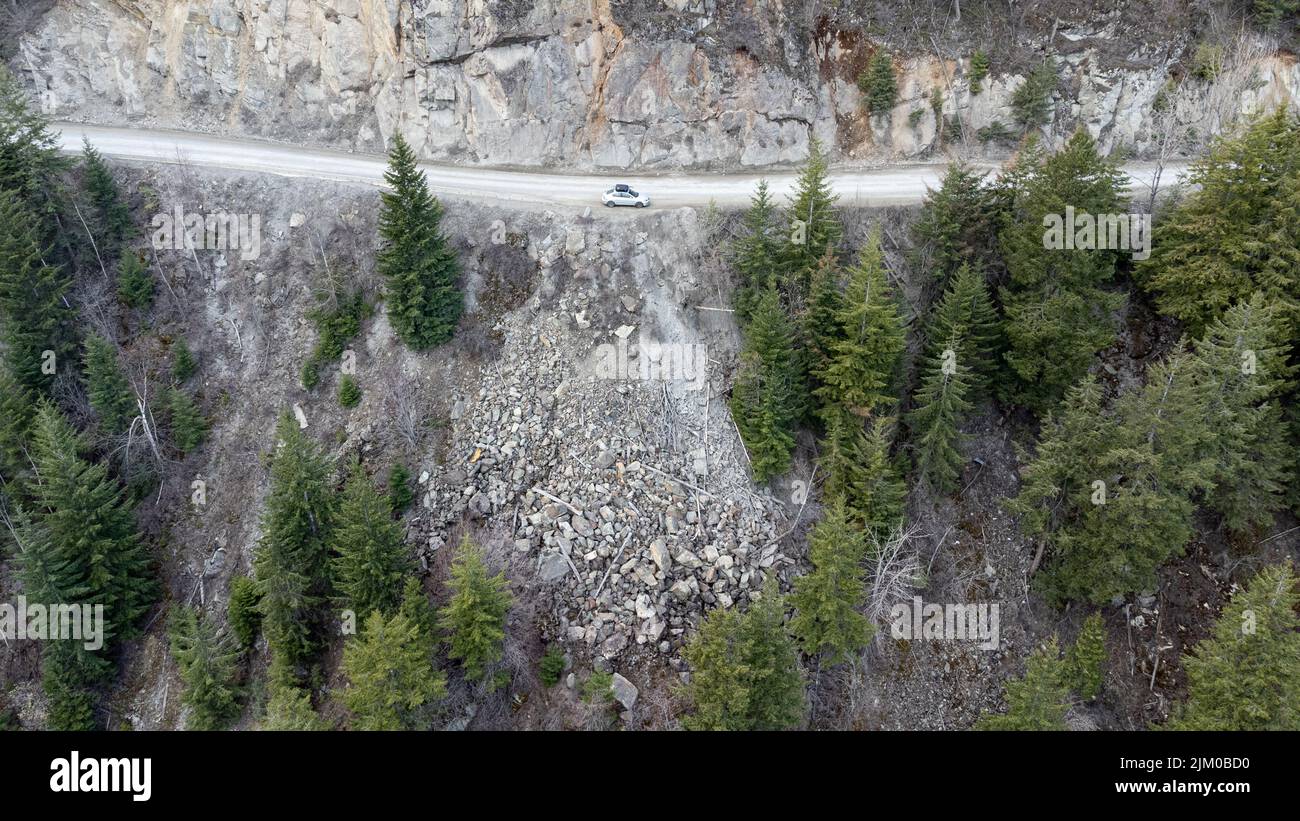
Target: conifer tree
pixel 474 618
pixel 813 226
pixel 979 69
pixel 289 709
pixel 134 282
pixel 399 488
pixel 242 613
pixel 878 83
pixel 957 226
pixel 1085 659
pixel 206 660
pixel 16 408
pixel 826 599
pixel 370 560
pixel 349 391
pixel 30 163
pixel 187 423
pixel 36 317
pixel 1058 315
pixel 109 217
pixel 292 562
pixel 1241 370
pixel 1237 232
pixel 1031 102
pixel 754 253
pixel 183 363
pixel 940 405
pixel 1038 701
pixel 419 611
pixel 109 393
pixel 966 311
pixel 423 295
pixel 745 669
pixel 859 471
pixel 390 680
pixel 1246 676
pixel 765 400
pixel 821 321
pixel 86 530
pixel 863 369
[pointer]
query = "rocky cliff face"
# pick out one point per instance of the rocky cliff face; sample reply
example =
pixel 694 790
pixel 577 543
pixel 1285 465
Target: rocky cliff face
pixel 707 84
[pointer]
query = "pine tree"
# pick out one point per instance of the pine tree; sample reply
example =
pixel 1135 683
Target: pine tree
pixel 242 612
pixel 423 296
pixel 109 217
pixel 207 666
pixel 292 562
pixel 1039 701
pixel 878 84
pixel 957 226
pixel 744 670
pixel 134 282
pixel 109 393
pixel 183 363
pixel 864 365
pixel 1058 316
pixel 1031 102
pixel 1246 676
pixel 30 164
pixel 33 307
pixel 474 618
pixel 187 423
pixel 86 530
pixel 859 472
pixel 754 253
pixel 419 611
pixel 966 310
pixel 814 227
pixel 16 409
pixel 399 488
pixel 390 680
pixel 1241 370
pixel 827 598
pixel 765 399
pixel 936 422
pixel 289 709
pixel 1085 660
pixel 1237 232
pixel 349 391
pixel 979 69
pixel 370 558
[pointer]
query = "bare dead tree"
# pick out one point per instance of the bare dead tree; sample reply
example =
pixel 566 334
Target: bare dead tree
pixel 894 573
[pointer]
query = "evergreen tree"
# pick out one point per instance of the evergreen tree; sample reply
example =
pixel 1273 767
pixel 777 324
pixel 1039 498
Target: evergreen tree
pixel 1085 660
pixel 399 488
pixel 979 69
pixel 292 562
pixel 423 296
pixel 370 558
pixel 1057 314
pixel 1031 102
pixel 1237 232
pixel 183 363
pixel 1241 370
pixel 878 84
pixel 33 296
pixel 207 666
pixel 744 670
pixel 754 253
pixel 859 472
pixel 1039 701
pixel 289 709
pixel 940 405
pixel 419 611
pixel 349 392
pixel 187 423
pixel 475 616
pixel 863 369
pixel 1246 676
pixel 826 600
pixel 109 218
pixel 966 310
pixel 30 164
pixel 242 612
pixel 134 282
pixel 110 394
pixel 87 534
pixel 821 321
pixel 16 408
pixel 814 227
pixel 390 680
pixel 957 226
pixel 765 399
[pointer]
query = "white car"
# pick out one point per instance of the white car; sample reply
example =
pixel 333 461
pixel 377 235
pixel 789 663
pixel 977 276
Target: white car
pixel 623 195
